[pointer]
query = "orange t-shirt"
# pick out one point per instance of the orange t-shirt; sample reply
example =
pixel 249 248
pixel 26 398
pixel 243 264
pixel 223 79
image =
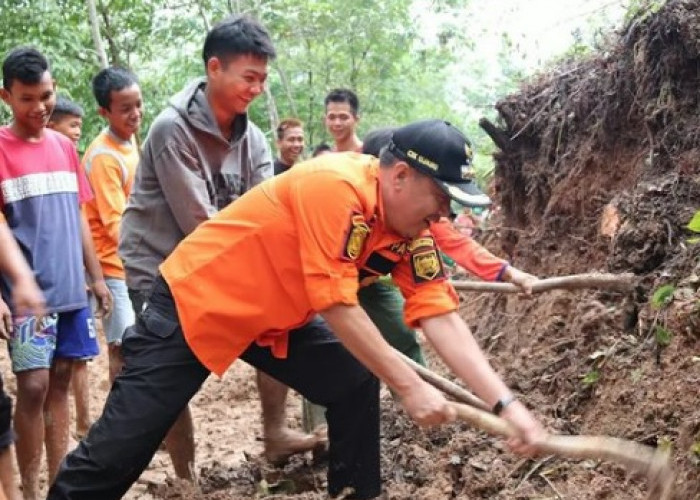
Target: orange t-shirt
pixel 294 245
pixel 110 165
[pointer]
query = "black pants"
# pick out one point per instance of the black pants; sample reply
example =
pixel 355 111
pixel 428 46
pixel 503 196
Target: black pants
pixel 138 300
pixel 160 376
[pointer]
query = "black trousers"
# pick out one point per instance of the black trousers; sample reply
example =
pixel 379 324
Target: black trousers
pixel 160 376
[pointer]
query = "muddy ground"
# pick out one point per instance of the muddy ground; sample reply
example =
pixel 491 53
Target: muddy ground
pixel 641 394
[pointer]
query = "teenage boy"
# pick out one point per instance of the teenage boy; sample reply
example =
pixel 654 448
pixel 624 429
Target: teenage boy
pixel 201 154
pixel 42 188
pixel 67 118
pixel 26 299
pixel 110 164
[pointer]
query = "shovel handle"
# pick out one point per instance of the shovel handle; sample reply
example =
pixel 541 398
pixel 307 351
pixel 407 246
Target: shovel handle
pixel 652 462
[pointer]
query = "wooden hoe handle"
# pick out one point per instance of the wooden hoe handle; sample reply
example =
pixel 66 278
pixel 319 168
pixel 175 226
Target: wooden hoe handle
pixel 653 463
pixel 620 282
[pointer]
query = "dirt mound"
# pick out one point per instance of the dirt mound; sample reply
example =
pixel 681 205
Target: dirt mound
pixel 599 169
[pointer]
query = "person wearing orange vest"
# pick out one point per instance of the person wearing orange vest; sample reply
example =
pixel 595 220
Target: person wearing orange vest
pixel 245 283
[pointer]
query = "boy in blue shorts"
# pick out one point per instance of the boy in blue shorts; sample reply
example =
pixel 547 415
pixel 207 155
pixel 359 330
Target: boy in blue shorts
pixel 41 188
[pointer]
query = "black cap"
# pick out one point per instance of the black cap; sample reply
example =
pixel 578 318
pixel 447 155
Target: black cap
pixel 438 149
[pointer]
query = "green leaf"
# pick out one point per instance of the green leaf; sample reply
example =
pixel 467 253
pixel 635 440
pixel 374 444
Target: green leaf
pixel 663 336
pixel 693 241
pixel 694 224
pixel 662 296
pixel 591 377
pixel 695 449
pixel 637 375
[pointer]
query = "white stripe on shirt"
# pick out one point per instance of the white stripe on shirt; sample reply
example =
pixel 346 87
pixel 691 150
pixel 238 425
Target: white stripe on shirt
pixel 31 185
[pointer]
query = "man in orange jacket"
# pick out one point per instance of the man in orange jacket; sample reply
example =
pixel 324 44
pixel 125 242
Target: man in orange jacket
pixel 245 283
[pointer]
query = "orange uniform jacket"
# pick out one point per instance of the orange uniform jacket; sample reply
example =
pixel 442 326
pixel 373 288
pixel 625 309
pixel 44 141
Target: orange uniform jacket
pixel 294 245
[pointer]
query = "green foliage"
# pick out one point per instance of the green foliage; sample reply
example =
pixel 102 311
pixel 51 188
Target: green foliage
pixel 695 452
pixel 591 378
pixel 663 336
pixel 380 49
pixel 694 224
pixel 662 296
pixel 640 10
pixel 374 48
pixel 664 444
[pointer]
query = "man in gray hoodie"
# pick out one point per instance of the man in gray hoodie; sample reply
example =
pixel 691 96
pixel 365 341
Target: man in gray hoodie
pixel 202 152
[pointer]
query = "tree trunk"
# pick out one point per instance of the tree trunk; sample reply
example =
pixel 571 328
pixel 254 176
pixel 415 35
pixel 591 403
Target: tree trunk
pixel 271 110
pixel 96 37
pixel 287 88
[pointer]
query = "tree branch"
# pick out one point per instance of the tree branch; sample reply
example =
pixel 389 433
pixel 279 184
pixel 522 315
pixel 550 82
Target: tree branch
pixel 95 31
pixel 498 136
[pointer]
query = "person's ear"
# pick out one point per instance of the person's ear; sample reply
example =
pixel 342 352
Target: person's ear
pixel 5 95
pixel 214 66
pixel 401 172
pixel 104 113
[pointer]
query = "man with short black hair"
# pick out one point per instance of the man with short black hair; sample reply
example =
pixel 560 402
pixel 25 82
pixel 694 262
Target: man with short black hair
pixel 341 116
pixel 201 154
pixel 290 144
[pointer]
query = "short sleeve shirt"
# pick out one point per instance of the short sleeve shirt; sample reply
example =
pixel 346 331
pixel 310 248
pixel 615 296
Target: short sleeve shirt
pixel 41 188
pixel 295 245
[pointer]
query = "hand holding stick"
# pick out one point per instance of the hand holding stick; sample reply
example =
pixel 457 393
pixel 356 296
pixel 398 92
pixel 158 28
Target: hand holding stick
pixel 620 282
pixel 653 463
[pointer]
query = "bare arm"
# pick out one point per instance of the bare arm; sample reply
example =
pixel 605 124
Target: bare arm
pixel 26 295
pixel 360 336
pixel 92 265
pixel 455 344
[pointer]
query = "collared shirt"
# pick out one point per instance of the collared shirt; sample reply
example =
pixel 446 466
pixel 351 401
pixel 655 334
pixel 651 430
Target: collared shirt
pixel 295 245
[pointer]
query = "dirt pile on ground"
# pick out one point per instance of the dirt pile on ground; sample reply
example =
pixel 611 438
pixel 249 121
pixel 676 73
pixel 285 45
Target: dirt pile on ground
pixel 599 169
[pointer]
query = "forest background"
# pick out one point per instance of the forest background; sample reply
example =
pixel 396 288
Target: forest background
pixel 406 59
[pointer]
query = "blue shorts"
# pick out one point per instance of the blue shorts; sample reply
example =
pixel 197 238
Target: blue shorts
pixel 122 315
pixel 69 335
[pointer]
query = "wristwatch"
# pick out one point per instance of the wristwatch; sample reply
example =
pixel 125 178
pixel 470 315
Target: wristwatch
pixel 502 403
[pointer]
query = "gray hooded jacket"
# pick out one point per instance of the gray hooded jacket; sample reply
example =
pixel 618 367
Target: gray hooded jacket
pixel 186 174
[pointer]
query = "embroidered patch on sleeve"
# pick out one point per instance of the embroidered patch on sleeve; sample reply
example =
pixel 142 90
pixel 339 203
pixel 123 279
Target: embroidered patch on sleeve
pixel 426 264
pixel 357 233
